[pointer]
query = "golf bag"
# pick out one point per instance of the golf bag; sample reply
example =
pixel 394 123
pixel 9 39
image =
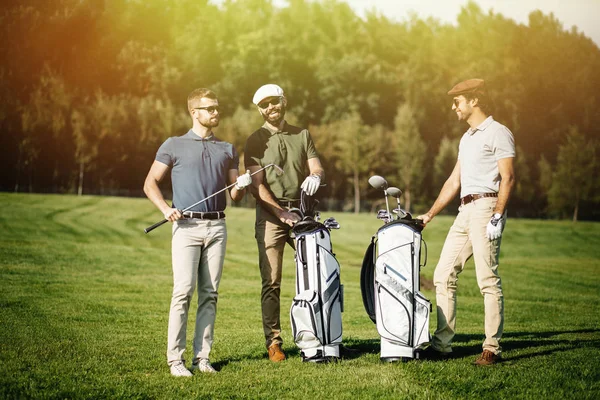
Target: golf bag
pixel 315 314
pixel 390 289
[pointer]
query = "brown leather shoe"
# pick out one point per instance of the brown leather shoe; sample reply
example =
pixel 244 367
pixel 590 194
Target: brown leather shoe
pixel 488 358
pixel 275 352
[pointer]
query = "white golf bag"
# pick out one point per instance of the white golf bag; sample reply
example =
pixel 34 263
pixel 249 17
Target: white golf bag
pixel 390 288
pixel 316 312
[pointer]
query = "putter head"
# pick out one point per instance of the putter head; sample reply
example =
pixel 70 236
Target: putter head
pixel 378 182
pixel 277 168
pixel 394 192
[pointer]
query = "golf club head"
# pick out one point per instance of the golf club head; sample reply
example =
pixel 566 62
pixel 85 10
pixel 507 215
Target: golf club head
pixel 384 215
pixel 331 223
pixel 394 192
pixel 378 182
pixel 278 169
pixel 400 212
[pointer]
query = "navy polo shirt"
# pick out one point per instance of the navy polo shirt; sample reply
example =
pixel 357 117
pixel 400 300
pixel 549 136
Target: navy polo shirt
pixel 199 168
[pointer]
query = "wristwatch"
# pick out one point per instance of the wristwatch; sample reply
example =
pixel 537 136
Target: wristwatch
pixel 496 218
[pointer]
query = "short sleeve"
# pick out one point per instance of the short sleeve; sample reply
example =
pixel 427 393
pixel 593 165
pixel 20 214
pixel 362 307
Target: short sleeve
pixel 250 152
pixel 311 152
pixel 235 159
pixel 504 144
pixel 165 153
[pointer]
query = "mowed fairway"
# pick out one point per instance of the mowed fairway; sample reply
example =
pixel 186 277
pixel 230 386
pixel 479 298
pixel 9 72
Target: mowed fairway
pixel 84 299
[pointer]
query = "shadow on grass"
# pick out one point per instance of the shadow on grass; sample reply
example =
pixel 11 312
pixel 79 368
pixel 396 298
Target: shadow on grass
pixel 528 340
pixel 355 348
pixel 351 348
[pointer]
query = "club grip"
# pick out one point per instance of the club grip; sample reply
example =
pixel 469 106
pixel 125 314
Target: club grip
pixel 156 225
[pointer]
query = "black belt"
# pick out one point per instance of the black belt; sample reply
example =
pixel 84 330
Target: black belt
pixel 204 215
pixel 289 203
pixel 472 197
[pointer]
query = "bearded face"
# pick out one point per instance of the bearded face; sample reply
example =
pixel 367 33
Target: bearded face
pixel 272 109
pixel 462 107
pixel 206 112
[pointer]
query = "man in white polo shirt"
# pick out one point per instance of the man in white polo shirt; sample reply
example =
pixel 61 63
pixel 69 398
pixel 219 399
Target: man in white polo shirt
pixel 484 175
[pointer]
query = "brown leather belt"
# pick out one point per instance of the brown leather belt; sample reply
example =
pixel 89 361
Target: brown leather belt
pixel 289 203
pixel 204 215
pixel 472 197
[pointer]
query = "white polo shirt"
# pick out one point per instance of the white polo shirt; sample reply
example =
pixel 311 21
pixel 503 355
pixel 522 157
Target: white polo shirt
pixel 478 152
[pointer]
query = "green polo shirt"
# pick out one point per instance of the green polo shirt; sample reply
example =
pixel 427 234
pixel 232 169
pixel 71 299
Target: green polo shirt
pixel 290 149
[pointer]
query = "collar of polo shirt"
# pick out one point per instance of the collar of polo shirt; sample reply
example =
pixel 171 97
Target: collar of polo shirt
pixel 273 132
pixel 482 126
pixel 206 139
pixel 193 135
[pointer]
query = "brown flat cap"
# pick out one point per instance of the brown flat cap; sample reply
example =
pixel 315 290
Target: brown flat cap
pixel 468 86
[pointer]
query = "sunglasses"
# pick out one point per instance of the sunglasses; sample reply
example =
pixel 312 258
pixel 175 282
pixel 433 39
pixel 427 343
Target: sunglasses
pixel 265 104
pixel 210 109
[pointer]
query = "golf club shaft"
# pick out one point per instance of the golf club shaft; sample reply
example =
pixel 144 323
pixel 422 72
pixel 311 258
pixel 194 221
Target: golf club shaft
pixel 387 203
pixel 156 225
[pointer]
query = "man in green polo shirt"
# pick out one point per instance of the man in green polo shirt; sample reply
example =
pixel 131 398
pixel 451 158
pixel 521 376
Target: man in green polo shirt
pixel 292 148
pixel 484 176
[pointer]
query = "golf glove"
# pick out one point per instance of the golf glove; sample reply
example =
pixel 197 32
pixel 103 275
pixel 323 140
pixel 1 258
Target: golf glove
pixel 243 180
pixel 311 184
pixel 494 227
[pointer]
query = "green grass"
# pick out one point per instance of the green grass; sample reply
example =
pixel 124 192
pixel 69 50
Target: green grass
pixel 84 298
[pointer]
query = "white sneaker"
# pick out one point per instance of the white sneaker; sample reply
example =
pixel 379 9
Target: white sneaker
pixel 178 369
pixel 203 365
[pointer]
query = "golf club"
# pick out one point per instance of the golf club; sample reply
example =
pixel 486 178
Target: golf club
pixel 395 192
pixel 331 223
pixel 279 172
pixel 384 215
pixel 379 182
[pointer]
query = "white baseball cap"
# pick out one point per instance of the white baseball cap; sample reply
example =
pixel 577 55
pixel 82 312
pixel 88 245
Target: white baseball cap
pixel 268 90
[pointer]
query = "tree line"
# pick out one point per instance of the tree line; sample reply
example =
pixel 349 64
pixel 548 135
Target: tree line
pixel 90 90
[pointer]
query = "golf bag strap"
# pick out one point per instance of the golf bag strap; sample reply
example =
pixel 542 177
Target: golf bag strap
pixel 367 280
pixel 424 246
pixel 301 249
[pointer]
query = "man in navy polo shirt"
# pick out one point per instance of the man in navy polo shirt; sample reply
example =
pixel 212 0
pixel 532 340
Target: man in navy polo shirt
pixel 484 175
pixel 200 165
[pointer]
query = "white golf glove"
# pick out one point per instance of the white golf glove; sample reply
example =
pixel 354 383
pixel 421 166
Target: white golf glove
pixel 494 227
pixel 243 180
pixel 311 184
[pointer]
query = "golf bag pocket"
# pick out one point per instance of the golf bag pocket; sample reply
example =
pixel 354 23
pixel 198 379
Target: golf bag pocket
pixel 333 307
pixel 305 315
pixel 422 311
pixel 397 263
pixel 394 324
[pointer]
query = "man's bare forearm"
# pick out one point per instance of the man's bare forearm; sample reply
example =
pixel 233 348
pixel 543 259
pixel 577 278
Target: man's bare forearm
pixel 263 195
pixel 155 195
pixel 506 187
pixel 447 194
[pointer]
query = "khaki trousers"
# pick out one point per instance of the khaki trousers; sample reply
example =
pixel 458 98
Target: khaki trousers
pixel 271 236
pixel 466 238
pixel 198 251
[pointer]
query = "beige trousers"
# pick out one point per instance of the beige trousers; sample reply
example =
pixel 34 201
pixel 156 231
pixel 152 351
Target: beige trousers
pixel 198 251
pixel 466 238
pixel 271 237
